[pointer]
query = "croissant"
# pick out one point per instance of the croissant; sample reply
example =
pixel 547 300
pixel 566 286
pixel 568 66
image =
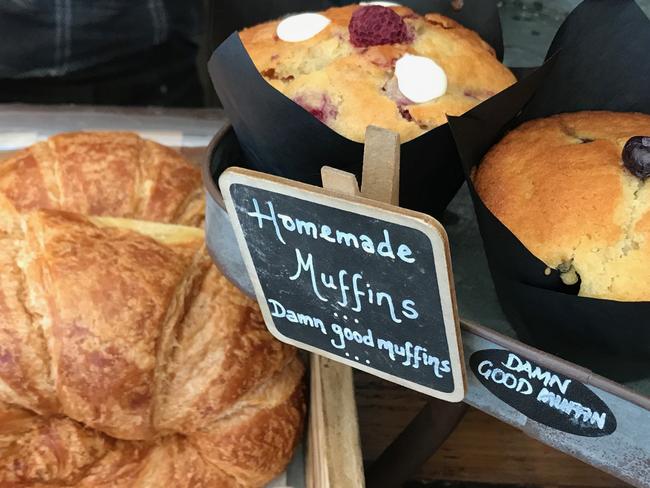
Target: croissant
pixel 126 358
pixel 105 173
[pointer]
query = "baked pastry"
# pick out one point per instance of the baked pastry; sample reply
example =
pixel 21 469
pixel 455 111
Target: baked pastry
pixel 564 188
pixel 128 360
pixel 105 173
pixel 358 65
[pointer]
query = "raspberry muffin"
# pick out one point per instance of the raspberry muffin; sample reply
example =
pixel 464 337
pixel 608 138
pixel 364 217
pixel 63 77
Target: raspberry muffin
pixel 358 65
pixel 572 188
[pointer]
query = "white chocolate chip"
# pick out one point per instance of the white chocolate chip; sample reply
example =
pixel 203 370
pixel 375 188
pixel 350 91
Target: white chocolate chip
pixel 381 4
pixel 419 78
pixel 298 28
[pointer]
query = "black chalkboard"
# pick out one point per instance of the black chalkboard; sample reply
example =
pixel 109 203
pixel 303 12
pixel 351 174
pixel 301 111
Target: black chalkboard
pixel 357 281
pixel 543 395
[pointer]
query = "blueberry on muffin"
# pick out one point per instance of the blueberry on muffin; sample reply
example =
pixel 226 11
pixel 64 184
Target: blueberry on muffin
pixel 368 64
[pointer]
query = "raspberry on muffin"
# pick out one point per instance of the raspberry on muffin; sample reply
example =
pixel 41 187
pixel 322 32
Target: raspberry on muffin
pixel 340 65
pixel 572 189
pixel 374 25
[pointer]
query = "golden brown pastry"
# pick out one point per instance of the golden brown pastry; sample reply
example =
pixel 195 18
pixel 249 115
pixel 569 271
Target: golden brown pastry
pixel 360 65
pixel 117 174
pixel 127 359
pixel 560 185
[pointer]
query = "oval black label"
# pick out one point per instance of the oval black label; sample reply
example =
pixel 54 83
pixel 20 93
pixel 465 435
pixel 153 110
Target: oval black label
pixel 541 394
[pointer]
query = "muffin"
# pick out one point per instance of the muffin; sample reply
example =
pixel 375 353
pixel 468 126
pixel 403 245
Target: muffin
pixel 571 188
pixel 359 65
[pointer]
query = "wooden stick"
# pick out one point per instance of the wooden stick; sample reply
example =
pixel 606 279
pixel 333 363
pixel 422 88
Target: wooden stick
pixel 339 181
pixel 333 447
pixel 429 429
pixel 380 179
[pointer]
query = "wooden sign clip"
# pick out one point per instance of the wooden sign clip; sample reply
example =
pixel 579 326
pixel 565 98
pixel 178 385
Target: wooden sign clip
pixel 380 175
pixel 337 462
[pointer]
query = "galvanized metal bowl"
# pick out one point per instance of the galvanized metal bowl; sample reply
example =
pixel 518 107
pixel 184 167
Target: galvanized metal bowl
pixel 223 152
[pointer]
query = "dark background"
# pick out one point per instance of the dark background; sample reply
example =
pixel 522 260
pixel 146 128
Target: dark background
pixel 175 74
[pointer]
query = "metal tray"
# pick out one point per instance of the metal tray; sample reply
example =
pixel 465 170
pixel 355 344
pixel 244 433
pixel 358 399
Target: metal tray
pixel 623 453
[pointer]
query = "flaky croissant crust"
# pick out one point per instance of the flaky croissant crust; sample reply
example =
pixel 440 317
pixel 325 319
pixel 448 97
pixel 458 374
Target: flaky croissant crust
pixel 128 360
pixel 115 174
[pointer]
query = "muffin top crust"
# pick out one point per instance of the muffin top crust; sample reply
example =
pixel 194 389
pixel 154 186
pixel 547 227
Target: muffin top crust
pixel 562 188
pixel 359 65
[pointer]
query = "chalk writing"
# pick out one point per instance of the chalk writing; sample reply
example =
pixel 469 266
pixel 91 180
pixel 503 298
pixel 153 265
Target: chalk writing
pixel 360 288
pixel 543 395
pixel 310 229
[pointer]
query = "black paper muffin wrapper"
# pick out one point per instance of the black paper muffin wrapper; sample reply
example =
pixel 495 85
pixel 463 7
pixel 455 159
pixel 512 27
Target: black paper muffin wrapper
pixel 278 136
pixel 599 60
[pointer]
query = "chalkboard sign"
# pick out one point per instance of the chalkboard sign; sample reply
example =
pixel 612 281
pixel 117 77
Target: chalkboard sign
pixel 358 281
pixel 543 395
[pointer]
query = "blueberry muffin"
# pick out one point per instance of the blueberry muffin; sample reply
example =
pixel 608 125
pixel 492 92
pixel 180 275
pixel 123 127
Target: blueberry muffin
pixel 572 188
pixel 358 65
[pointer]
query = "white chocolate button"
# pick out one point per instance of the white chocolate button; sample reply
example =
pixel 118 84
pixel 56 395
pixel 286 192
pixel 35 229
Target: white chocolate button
pixel 298 28
pixel 420 79
pixel 381 4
